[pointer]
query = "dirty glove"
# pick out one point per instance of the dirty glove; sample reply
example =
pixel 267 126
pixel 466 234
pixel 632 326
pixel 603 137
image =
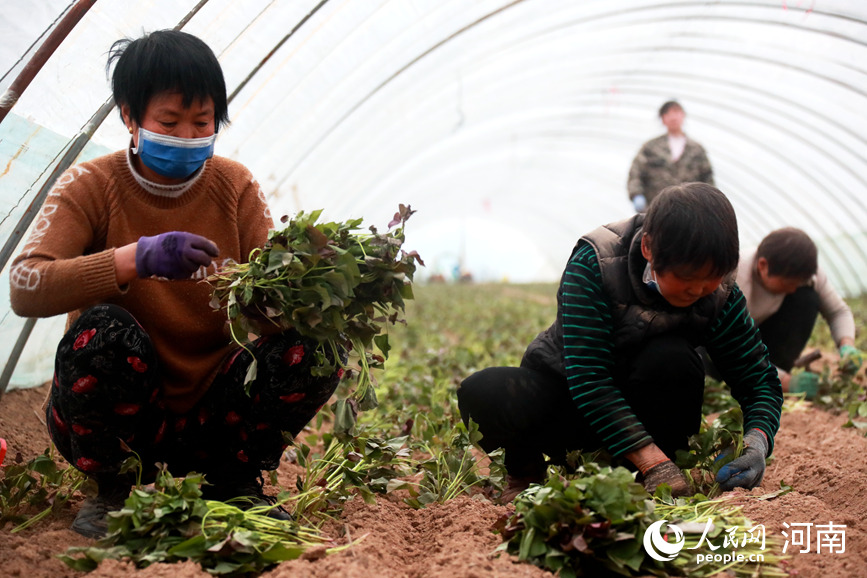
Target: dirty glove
pixel 173 255
pixel 746 471
pixel 805 382
pixel 640 203
pixel 851 359
pixel 666 473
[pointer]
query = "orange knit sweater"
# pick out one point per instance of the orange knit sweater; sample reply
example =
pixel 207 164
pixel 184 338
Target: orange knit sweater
pixel 67 264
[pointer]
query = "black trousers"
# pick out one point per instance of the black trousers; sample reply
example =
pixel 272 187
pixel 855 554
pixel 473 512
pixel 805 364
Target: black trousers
pixel 530 413
pixel 105 399
pixel 787 331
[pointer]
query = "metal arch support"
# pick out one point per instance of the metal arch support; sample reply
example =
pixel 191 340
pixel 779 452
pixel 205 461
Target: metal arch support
pixel 75 148
pixel 57 36
pixel 15 355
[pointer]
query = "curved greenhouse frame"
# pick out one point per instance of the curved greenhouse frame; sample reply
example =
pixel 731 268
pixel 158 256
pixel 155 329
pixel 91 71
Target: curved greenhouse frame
pixel 509 126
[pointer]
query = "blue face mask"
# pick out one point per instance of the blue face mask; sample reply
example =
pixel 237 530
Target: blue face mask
pixel 171 156
pixel 650 279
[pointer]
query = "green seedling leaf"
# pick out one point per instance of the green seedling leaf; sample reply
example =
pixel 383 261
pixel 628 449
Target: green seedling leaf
pixel 278 258
pixel 663 494
pixel 250 376
pixel 369 400
pixel 344 417
pixel 381 342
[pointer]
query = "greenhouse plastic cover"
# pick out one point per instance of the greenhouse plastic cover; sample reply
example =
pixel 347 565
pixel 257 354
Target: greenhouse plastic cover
pixel 509 126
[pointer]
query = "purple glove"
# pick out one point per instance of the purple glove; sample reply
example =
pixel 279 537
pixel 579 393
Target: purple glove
pixel 173 255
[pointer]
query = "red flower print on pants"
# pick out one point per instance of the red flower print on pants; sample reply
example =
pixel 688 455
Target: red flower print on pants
pixel 293 397
pixel 161 432
pixel 242 456
pixel 137 364
pixel 81 430
pixel 126 408
pixel 83 339
pixel 59 423
pixel 87 464
pixel 294 355
pixel 229 363
pixel 84 384
pixel 232 418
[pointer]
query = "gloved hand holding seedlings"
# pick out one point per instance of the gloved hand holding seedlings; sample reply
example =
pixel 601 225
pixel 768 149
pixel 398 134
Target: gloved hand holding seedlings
pixel 658 469
pixel 747 470
pixel 851 358
pixel 173 255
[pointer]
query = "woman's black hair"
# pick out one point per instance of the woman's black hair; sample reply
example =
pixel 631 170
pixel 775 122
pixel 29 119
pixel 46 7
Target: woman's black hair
pixel 790 253
pixel 690 225
pixel 166 60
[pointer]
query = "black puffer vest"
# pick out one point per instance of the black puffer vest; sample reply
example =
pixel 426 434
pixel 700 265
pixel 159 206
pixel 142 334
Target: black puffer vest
pixel 638 311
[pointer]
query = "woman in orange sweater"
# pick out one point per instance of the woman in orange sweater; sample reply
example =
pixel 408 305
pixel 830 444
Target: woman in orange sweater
pixel 123 244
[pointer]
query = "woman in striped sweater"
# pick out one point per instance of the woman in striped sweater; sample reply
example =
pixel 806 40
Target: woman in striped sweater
pixel 618 369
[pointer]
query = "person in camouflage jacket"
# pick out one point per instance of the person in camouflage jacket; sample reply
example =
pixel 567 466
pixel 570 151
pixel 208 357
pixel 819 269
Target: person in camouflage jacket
pixel 667 160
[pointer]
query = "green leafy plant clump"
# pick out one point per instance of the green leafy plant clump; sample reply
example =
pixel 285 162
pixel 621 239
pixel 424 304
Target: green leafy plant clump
pixel 842 389
pixel 37 483
pixel 172 523
pixel 330 283
pixel 593 523
pixel 364 465
pixel 586 525
pixel 452 469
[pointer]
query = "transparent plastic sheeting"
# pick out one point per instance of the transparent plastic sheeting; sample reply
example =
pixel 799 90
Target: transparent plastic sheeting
pixel 509 125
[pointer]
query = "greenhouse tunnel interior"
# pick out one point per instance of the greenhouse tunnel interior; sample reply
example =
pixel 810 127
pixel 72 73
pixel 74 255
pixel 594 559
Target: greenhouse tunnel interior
pixel 509 126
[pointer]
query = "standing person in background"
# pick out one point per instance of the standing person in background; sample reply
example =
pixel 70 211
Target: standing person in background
pixel 670 159
pixel 786 290
pixel 122 246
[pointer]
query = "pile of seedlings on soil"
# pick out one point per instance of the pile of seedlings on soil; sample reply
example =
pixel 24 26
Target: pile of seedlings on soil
pixel 171 523
pixel 599 521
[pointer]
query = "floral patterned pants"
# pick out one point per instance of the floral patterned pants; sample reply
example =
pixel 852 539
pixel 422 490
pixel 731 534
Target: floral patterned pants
pixel 105 401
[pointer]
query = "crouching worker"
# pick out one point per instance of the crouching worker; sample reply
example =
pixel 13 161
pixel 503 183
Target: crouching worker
pixel 122 245
pixel 618 369
pixel 786 290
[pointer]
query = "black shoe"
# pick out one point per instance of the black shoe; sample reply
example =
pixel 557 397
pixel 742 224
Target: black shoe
pixel 251 492
pixel 92 518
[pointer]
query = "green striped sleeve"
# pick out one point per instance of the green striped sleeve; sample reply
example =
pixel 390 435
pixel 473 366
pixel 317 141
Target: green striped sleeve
pixel 736 348
pixel 588 351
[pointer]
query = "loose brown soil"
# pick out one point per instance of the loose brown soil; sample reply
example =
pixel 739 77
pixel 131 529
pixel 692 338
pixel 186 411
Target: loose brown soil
pixel 824 462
